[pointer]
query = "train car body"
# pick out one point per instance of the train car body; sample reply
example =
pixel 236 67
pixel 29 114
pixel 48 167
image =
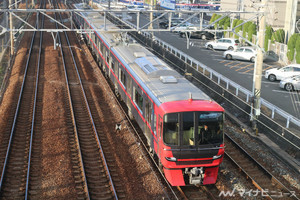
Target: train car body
pixel 183 126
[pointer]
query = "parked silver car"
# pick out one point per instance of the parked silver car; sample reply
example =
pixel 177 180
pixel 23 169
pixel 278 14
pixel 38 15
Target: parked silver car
pixel 291 83
pixel 282 73
pixel 242 53
pixel 223 44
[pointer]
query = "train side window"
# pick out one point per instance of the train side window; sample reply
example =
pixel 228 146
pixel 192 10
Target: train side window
pixel 99 45
pixel 107 57
pixel 122 77
pixel 113 65
pixel 138 99
pixel 102 50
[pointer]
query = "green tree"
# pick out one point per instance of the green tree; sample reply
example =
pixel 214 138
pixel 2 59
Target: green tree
pixel 298 57
pixel 297 44
pixel 278 36
pixel 291 46
pixel 251 31
pixel 226 24
pixel 235 21
pixel 222 22
pixel 238 29
pixel 297 47
pixel 212 19
pixel 268 35
pixel 216 18
pixel 246 28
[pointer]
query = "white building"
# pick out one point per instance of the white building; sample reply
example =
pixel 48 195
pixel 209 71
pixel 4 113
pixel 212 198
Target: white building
pixel 280 14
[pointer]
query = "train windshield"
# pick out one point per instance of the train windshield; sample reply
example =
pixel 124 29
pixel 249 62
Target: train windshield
pixel 193 128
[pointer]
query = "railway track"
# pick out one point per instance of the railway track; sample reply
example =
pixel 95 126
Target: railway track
pixel 88 170
pixel 268 186
pixel 16 165
pixel 202 193
pixel 87 166
pixel 93 164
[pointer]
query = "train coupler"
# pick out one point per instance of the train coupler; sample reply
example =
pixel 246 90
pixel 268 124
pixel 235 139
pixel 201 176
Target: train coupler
pixel 196 175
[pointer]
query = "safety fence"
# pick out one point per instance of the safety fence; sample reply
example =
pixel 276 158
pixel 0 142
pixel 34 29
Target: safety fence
pixel 272 119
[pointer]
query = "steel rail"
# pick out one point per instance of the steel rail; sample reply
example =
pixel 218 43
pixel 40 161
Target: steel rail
pixel 17 112
pixel 141 140
pixel 261 168
pixel 91 117
pixel 144 145
pixel 73 117
pixel 34 108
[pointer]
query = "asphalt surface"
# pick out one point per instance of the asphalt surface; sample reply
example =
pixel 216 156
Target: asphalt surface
pixel 241 72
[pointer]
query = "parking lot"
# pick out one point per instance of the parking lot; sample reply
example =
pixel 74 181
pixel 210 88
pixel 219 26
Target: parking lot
pixel 241 72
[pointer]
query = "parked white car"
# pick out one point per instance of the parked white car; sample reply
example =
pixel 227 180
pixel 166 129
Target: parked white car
pixel 291 83
pixel 282 73
pixel 184 26
pixel 135 7
pixel 242 53
pixel 223 44
pixel 140 7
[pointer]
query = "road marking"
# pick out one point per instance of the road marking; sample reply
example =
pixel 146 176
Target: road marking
pixel 229 63
pixel 236 65
pixel 219 59
pixel 249 70
pixel 246 73
pixel 269 82
pixel 286 92
pixel 242 67
pixel 269 66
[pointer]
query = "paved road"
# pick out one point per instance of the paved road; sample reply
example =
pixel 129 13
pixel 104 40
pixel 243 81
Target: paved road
pixel 240 72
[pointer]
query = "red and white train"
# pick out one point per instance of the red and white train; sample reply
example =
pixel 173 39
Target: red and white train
pixel 183 126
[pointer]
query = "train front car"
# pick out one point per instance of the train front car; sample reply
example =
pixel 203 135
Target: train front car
pixel 180 122
pixel 191 141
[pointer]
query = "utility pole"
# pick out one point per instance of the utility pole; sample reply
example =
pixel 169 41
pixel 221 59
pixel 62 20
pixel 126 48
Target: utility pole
pixel 11 27
pixel 258 68
pixel 151 16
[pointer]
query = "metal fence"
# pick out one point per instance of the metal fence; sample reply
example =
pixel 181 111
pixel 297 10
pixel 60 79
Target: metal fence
pixel 239 90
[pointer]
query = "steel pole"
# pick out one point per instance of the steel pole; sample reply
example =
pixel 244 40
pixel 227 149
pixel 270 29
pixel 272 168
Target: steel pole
pixel 11 27
pixel 151 16
pixel 258 68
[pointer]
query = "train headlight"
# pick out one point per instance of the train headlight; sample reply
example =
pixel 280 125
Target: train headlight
pixel 217 157
pixel 173 159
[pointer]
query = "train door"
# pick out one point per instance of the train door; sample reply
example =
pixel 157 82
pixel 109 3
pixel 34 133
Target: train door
pixel 99 47
pixel 148 113
pixel 159 135
pixel 129 97
pixel 108 64
pixel 103 57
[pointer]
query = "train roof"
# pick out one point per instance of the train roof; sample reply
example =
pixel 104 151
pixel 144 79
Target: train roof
pixel 153 74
